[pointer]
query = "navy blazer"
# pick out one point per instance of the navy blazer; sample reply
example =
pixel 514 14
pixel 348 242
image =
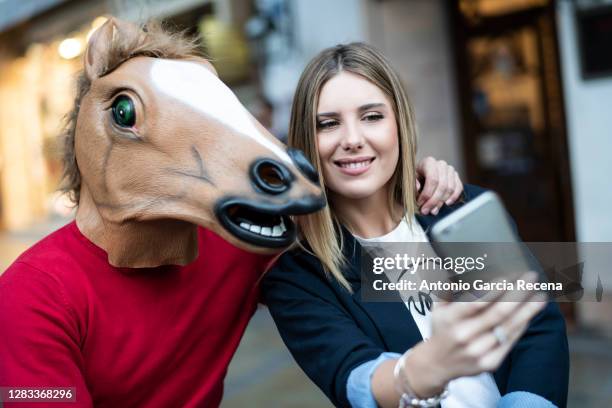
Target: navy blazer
pixel 330 331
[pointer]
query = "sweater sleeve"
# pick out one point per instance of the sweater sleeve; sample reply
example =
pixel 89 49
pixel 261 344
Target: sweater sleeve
pixel 39 345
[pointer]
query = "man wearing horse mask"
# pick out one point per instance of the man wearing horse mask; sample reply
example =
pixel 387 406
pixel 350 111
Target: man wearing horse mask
pixel 183 199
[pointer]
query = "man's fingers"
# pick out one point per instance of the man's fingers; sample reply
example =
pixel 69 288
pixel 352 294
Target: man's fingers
pixel 430 173
pixel 457 190
pixel 446 188
pixel 436 200
pixel 450 183
pixel 442 185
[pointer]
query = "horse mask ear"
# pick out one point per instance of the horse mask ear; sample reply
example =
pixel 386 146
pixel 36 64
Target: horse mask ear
pixel 98 47
pixel 101 43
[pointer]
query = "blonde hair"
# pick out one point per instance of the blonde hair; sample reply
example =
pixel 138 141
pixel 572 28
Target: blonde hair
pixel 322 230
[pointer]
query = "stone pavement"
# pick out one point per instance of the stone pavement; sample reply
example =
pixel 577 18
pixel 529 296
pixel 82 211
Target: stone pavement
pixel 263 373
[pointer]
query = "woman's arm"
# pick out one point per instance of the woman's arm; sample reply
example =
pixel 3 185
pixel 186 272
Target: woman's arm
pixel 328 344
pixel 432 382
pixel 317 329
pixel 462 344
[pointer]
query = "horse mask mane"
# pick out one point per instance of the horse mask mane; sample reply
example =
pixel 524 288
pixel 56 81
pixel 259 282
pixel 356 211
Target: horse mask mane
pixel 157 145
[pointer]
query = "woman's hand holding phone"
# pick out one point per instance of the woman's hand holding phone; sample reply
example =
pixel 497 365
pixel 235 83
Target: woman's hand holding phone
pixel 469 338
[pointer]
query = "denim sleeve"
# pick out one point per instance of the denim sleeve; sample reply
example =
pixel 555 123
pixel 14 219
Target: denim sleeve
pixel 524 399
pixel 359 389
pixel 359 386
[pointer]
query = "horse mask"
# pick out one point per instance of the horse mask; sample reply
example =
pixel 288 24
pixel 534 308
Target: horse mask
pixel 160 146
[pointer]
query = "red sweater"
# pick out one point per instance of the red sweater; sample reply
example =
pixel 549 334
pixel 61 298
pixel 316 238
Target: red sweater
pixel 158 337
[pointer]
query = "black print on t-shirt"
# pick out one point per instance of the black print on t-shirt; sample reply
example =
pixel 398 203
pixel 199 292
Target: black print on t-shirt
pixel 425 300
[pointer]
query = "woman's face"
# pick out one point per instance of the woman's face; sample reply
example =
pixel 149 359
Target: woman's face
pixel 357 137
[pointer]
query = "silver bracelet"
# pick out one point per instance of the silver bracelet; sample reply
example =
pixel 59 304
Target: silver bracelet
pixel 409 398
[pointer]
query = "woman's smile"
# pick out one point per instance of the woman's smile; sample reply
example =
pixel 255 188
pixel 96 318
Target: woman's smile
pixel 354 166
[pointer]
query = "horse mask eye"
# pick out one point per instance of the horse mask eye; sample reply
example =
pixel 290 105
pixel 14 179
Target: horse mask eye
pixel 124 112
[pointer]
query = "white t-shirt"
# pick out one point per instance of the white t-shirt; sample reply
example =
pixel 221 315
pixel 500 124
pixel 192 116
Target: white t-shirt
pixel 479 391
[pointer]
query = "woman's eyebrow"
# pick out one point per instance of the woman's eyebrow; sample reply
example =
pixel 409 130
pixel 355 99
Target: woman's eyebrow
pixel 371 106
pixel 362 108
pixel 326 114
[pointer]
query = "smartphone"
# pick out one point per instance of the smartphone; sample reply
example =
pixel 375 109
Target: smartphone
pixel 483 219
pixel 482 229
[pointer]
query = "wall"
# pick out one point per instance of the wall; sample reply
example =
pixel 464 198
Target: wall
pixel 588 107
pixel 315 25
pixel 323 23
pixel 589 118
pixel 414 35
pixel 22 172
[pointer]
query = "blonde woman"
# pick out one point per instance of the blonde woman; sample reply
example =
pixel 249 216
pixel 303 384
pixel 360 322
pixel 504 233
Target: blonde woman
pixel 352 118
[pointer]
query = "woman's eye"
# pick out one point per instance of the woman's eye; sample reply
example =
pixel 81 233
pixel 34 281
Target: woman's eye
pixel 373 117
pixel 124 111
pixel 326 124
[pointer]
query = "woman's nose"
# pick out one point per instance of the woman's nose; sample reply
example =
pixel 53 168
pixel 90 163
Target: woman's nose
pixel 352 138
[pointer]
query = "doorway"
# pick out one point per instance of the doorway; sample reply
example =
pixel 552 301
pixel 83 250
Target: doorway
pixel 512 113
pixel 511 101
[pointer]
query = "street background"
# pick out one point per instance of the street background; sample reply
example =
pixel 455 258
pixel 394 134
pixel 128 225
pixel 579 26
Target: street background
pixel 515 94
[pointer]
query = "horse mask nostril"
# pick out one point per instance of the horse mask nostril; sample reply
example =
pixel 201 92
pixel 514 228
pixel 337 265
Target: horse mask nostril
pixel 270 176
pixel 303 164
